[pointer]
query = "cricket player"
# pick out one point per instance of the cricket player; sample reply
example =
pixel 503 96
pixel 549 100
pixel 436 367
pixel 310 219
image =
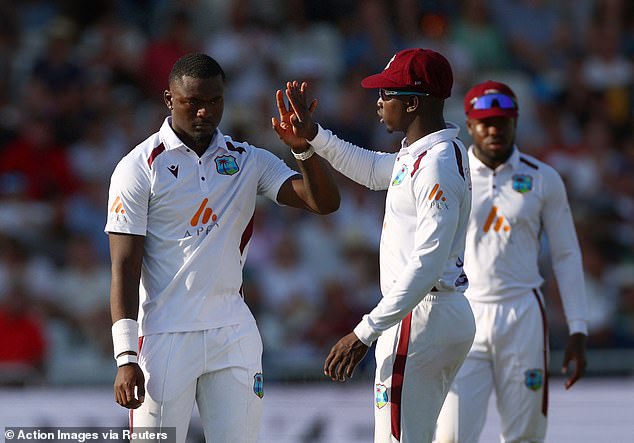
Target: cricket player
pixel 180 219
pixel 423 324
pixel 516 199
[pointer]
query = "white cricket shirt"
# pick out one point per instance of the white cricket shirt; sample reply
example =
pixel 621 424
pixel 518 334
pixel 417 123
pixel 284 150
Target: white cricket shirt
pixel 512 206
pixel 426 213
pixel 196 214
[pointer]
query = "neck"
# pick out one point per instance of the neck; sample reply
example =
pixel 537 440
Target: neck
pixel 491 162
pixel 199 148
pixel 419 128
pixel 198 145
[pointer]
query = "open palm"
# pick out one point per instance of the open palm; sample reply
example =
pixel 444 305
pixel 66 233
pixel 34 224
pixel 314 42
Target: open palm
pixel 286 126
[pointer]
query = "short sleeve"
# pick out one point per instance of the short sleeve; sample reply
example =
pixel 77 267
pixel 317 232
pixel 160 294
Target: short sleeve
pixel 273 173
pixel 128 198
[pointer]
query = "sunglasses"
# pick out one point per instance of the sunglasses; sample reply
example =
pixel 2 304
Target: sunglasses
pixel 489 101
pixel 386 94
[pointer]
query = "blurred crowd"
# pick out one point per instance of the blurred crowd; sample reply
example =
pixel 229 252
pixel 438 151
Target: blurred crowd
pixel 81 84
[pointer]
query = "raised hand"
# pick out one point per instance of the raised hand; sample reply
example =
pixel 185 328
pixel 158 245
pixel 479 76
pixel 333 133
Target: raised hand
pixel 302 118
pixel 284 128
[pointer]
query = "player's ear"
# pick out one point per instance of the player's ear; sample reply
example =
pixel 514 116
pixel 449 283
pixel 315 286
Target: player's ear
pixel 470 127
pixel 167 98
pixel 412 103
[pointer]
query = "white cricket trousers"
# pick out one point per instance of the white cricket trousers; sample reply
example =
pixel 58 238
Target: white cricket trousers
pixel 219 369
pixel 417 360
pixel 509 355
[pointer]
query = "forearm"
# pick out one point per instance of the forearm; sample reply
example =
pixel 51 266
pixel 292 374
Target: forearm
pixel 126 256
pixel 124 307
pixel 322 194
pixel 570 280
pixel 414 283
pixel 124 296
pixel 566 256
pixel 368 168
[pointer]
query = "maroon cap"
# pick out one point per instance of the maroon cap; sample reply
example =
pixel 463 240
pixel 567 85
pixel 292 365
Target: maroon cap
pixel 495 105
pixel 417 70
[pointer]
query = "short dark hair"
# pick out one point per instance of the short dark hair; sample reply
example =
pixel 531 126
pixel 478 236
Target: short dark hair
pixel 195 65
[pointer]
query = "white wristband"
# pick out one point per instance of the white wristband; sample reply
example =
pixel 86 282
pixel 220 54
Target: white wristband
pixel 125 336
pixel 301 156
pixel 126 359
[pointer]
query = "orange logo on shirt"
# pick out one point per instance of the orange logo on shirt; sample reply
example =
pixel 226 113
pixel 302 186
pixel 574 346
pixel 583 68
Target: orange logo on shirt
pixel 204 220
pixel 117 206
pixel 117 211
pixel 436 193
pixel 498 220
pixel 436 198
pixel 205 212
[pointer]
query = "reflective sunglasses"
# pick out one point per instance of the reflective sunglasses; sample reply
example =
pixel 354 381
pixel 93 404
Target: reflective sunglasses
pixel 489 101
pixel 386 94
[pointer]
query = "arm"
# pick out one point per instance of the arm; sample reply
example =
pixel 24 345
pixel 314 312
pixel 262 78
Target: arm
pixel 566 258
pixel 433 239
pixel 369 168
pixel 435 232
pixel 126 253
pixel 316 190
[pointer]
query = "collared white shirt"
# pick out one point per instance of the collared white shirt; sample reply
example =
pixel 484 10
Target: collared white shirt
pixel 196 214
pixel 512 206
pixel 426 213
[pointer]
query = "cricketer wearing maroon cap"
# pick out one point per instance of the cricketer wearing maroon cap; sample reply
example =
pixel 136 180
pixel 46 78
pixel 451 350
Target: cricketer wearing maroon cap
pixel 423 326
pixel 416 70
pixel 516 200
pixel 490 99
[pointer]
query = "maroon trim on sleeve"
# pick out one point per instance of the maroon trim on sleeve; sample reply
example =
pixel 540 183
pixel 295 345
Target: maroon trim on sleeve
pixel 398 373
pixel 155 153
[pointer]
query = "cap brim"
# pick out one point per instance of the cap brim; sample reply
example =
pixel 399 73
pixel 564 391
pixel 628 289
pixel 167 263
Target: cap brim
pixel 479 114
pixel 379 81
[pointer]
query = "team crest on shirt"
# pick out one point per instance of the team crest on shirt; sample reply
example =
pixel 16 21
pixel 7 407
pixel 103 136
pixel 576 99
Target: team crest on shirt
pixel 226 165
pixel 258 384
pixel 522 183
pixel 380 395
pixel 400 176
pixel 533 379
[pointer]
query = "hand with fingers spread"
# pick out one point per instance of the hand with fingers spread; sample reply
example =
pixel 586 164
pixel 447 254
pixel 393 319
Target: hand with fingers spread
pixel 344 357
pixel 128 378
pixel 299 114
pixel 284 128
pixel 575 352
